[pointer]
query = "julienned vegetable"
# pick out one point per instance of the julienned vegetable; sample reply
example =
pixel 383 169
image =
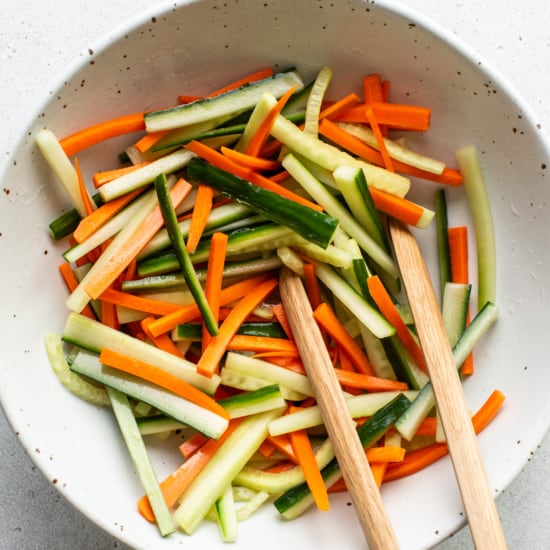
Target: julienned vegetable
pixel 174 316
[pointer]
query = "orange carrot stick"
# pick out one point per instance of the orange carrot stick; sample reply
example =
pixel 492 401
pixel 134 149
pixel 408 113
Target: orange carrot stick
pixel 212 355
pixel 337 107
pixel 306 459
pixel 243 342
pixel 259 138
pixel 214 280
pixel 138 303
pixel 280 315
pixel 192 444
pixel 220 161
pixel 253 77
pixel 312 285
pixel 94 220
pixel 378 470
pixel 86 199
pixel 142 235
pixel 109 316
pixel 249 161
pixel 71 281
pixel 384 302
pixel 394 115
pixel 367 382
pixel 372 89
pixel 308 463
pixel 338 135
pixel 101 178
pixel 326 317
pixel 373 122
pixel 161 378
pixel 188 313
pixel 385 454
pixel 150 139
pixel 283 443
pixel 175 484
pixel 343 360
pixel 379 458
pixel 280 176
pixel 266 448
pixel 199 216
pixel 374 93
pixel 458 254
pixel 427 427
pixel 397 207
pixel 415 461
pixel 485 414
pixel 189 98
pixel 458 251
pixel 102 131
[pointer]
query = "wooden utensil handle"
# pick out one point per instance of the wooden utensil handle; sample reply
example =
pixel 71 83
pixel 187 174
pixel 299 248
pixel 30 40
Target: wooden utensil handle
pixel 339 424
pixel 472 480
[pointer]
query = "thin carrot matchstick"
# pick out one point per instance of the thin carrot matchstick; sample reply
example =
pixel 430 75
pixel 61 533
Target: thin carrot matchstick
pixel 102 131
pixel 188 313
pixel 327 319
pixel 199 216
pixel 100 216
pixel 384 302
pixel 214 280
pixel 212 355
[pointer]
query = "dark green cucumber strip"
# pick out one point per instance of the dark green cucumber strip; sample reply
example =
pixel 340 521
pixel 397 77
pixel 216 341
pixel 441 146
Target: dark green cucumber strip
pixel 312 225
pixel 263 238
pixel 231 270
pixel 402 363
pixel 193 331
pixel 254 402
pixel 294 501
pixel 184 261
pixel 230 103
pixel 353 185
pixel 66 223
pixel 442 226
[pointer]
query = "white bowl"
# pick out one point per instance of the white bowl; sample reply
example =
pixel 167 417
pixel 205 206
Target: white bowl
pixel 196 47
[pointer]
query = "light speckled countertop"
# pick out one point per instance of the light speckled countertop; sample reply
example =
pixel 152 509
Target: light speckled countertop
pixel 37 41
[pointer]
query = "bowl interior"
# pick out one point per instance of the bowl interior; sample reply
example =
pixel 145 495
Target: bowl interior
pixel 193 48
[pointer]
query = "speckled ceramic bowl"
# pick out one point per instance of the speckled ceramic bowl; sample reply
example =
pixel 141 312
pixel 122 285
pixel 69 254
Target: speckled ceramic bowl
pixel 188 48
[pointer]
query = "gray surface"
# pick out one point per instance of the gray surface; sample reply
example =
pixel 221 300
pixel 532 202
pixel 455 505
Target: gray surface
pixel 36 42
